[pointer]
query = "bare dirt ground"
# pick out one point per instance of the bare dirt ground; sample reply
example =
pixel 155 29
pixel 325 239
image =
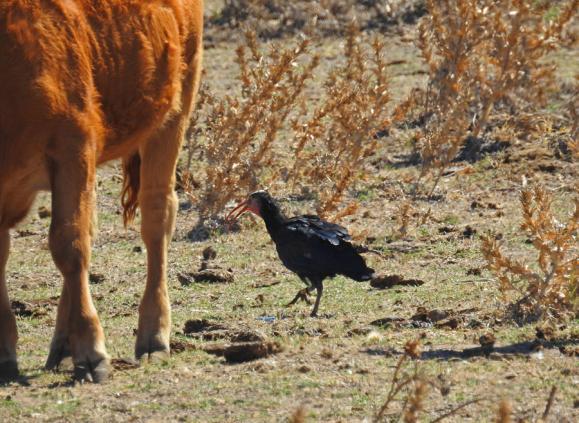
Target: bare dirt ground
pixel 339 366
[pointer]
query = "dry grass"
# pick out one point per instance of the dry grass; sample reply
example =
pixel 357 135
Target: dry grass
pixel 277 18
pixel 339 367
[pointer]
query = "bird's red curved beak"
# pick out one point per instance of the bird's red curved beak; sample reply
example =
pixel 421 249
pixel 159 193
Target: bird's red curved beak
pixel 244 206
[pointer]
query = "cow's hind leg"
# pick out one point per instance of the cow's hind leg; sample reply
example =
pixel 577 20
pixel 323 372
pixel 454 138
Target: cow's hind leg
pixel 8 333
pixel 78 331
pixel 60 346
pixel 158 203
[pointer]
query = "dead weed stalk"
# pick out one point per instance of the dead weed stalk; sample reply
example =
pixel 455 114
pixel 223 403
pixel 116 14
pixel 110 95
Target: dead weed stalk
pixel 402 379
pixel 504 412
pixel 412 382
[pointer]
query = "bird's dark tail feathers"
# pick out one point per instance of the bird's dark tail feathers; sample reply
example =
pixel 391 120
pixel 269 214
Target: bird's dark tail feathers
pixel 364 276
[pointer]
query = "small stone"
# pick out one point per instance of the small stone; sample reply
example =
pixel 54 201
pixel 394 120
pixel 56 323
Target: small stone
pixel 209 253
pixel 96 278
pixel 44 212
pixel 487 340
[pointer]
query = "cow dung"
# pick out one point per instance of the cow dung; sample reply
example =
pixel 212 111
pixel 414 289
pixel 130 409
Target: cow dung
pixel 244 351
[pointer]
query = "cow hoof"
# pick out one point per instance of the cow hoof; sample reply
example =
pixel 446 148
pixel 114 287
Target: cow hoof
pixel 95 372
pixel 152 354
pixel 56 355
pixel 9 371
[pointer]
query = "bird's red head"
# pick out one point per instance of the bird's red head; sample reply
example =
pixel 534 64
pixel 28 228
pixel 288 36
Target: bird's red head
pixel 252 204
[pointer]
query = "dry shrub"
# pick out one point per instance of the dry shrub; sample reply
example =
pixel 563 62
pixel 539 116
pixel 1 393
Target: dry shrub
pixel 186 181
pixel 551 291
pixel 411 387
pixel 409 214
pixel 333 145
pixel 241 130
pixel 403 218
pixel 245 149
pixel 482 53
pixel 407 380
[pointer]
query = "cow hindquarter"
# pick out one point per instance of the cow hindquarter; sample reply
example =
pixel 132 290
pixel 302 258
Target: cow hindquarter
pixel 95 81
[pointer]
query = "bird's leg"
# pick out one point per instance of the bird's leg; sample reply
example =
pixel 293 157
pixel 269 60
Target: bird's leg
pixel 320 289
pixel 301 295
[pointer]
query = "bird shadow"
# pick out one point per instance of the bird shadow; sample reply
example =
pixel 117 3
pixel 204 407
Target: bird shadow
pixel 518 349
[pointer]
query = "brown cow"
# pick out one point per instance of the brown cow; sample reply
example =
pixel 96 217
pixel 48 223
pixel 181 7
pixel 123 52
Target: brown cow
pixel 84 82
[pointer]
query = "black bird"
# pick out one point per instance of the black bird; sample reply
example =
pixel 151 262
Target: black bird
pixel 307 245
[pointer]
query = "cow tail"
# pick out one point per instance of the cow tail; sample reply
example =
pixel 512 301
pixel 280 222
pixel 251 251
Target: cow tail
pixel 131 183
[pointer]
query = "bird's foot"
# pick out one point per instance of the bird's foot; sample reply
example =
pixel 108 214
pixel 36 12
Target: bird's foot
pixel 302 295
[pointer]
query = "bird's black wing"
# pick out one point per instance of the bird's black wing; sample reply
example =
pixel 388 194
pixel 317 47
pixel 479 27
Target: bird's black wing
pixel 299 254
pixel 314 226
pixel 314 248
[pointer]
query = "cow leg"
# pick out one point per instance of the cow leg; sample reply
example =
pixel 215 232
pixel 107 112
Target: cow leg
pixel 60 346
pixel 8 332
pixel 158 203
pixel 78 330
